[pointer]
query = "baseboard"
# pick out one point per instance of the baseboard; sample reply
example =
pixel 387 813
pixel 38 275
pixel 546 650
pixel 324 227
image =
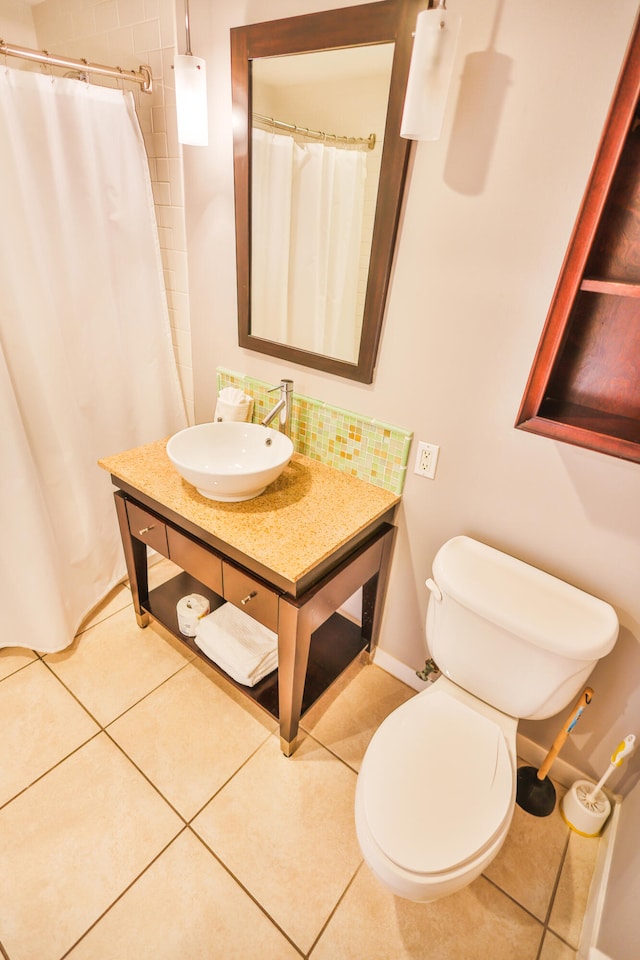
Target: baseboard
pixel 561 771
pixel 595 904
pixel 566 775
pixel 397 669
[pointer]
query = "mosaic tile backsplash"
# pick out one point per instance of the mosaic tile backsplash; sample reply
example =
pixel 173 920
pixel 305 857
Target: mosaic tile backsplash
pixel 361 446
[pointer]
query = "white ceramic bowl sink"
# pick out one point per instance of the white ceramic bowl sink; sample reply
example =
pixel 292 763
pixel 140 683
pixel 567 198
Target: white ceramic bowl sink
pixel 229 461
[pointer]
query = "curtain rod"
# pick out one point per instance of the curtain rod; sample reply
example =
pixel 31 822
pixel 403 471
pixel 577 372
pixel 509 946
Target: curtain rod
pixel 142 75
pixel 370 141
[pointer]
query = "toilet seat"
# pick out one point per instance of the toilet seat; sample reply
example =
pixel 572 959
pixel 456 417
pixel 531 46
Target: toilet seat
pixel 438 784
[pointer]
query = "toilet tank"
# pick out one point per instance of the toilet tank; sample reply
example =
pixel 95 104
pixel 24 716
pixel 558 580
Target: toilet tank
pixel 511 634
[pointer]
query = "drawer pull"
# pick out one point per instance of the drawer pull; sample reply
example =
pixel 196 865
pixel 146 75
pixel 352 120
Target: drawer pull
pixel 146 529
pixel 250 596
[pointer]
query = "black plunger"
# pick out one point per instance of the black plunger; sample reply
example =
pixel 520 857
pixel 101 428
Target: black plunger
pixel 535 792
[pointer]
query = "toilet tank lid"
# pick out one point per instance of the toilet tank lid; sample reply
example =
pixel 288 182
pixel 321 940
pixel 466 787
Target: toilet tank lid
pixel 524 600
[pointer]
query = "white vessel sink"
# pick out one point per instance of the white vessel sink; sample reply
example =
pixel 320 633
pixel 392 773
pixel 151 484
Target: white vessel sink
pixel 229 461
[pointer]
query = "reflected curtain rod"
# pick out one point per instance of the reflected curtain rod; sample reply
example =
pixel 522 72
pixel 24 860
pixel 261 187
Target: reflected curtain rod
pixel 370 141
pixel 142 75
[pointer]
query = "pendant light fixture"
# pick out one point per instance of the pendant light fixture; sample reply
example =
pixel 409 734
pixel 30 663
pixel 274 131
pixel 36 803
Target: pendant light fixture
pixel 434 48
pixel 191 94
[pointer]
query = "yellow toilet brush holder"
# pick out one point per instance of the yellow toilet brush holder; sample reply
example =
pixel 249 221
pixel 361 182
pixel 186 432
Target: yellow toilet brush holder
pixel 585 807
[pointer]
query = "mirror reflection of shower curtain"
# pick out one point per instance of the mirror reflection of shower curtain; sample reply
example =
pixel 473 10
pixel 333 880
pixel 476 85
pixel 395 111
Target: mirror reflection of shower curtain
pixel 86 362
pixel 306 247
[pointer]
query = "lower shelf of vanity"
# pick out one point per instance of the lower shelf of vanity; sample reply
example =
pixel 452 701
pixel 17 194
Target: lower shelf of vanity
pixel 334 645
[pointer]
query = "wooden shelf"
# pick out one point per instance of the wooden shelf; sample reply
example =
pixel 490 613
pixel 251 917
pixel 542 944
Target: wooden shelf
pixel 612 287
pixel 315 643
pixel 334 645
pixel 584 385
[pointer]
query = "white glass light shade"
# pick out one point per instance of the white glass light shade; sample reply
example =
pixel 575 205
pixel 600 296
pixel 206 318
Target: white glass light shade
pixel 434 48
pixel 191 100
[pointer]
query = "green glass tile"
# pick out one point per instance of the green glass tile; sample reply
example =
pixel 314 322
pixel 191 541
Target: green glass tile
pixel 362 446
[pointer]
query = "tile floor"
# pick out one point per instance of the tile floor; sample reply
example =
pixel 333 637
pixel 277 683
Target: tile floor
pixel 146 812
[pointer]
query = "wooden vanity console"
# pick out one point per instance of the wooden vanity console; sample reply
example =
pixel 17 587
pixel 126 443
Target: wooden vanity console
pixel 290 559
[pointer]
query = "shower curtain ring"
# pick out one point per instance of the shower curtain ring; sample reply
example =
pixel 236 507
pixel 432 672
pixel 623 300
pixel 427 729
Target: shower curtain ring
pixel 46 67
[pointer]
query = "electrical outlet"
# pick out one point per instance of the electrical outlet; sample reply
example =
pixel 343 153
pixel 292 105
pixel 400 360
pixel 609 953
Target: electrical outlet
pixel 426 460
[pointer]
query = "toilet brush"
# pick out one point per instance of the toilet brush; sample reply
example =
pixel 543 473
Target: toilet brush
pixel 585 808
pixel 535 792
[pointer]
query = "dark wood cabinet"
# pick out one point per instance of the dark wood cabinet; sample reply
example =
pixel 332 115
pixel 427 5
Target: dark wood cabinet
pixel 584 385
pixel 315 642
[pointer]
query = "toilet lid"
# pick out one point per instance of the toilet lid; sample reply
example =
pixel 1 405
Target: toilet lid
pixel 442 798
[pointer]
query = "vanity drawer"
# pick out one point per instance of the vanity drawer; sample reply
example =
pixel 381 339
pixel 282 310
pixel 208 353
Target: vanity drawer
pixel 148 528
pixel 250 595
pixel 193 557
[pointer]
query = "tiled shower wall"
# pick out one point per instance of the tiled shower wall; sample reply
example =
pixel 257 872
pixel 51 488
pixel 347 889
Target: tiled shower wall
pixel 127 33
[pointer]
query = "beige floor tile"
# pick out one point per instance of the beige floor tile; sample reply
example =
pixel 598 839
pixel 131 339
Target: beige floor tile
pixel 14 658
pixel 77 847
pixel 191 734
pixel 71 844
pixel 554 949
pixel 285 829
pixel 41 724
pixel 118 599
pixel 350 713
pixel 570 901
pixel 185 907
pixel 478 923
pixel 527 865
pixel 115 664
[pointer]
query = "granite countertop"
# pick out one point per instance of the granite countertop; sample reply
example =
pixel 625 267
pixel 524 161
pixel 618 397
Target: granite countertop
pixel 301 519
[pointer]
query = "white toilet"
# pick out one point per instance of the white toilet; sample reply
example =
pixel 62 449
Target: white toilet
pixel 437 788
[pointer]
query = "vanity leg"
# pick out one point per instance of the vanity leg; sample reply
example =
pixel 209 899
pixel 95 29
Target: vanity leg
pixel 288 747
pixel 135 555
pixel 373 593
pixel 369 592
pixel 297 621
pixel 294 639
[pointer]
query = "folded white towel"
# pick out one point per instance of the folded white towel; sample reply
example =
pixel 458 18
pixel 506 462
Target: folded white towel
pixel 241 646
pixel 233 404
pixel 233 395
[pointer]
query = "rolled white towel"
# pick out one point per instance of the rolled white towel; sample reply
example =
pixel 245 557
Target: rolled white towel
pixel 241 646
pixel 233 404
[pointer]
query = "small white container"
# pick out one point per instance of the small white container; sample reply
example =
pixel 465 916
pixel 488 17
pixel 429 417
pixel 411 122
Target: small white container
pixel 585 817
pixel 191 609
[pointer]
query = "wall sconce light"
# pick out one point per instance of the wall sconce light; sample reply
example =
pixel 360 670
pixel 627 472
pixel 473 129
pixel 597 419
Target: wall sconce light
pixel 191 94
pixel 434 48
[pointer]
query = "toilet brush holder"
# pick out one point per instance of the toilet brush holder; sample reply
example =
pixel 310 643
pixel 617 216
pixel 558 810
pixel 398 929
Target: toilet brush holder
pixel 583 811
pixel 585 807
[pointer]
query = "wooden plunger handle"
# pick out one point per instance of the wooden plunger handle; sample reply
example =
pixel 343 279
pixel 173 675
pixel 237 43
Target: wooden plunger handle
pixel 569 724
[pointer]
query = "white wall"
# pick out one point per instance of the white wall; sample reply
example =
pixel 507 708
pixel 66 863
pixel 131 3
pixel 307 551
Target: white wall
pixel 620 926
pixel 488 214
pixel 16 23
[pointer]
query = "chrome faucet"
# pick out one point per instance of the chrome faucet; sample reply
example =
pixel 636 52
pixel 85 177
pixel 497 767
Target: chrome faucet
pixel 282 407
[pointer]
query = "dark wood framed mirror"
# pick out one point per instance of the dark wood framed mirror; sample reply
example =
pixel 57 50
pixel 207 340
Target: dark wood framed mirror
pixel 258 51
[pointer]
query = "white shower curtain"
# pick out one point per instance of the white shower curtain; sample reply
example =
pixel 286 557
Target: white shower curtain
pixel 86 362
pixel 306 247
